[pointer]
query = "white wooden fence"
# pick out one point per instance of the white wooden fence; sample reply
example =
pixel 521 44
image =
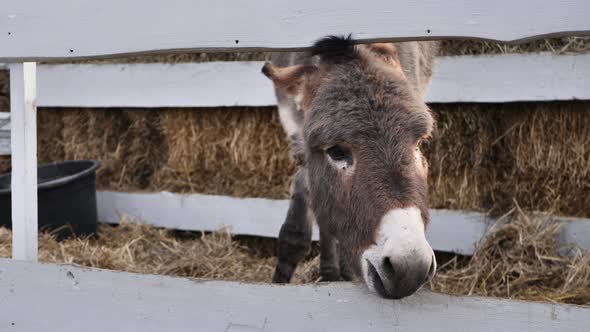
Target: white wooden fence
pixel 453 231
pixel 495 78
pixel 479 79
pixel 72 299
pixel 33 30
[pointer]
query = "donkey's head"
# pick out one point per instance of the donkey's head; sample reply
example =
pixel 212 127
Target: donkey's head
pixel 363 123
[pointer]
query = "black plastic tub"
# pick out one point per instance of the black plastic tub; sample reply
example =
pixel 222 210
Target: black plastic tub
pixel 66 196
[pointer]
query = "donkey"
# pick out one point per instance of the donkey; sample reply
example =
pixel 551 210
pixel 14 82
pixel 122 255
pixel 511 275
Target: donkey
pixel 355 116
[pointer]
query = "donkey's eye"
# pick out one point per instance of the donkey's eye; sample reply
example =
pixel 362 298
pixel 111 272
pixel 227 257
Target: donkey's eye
pixel 339 153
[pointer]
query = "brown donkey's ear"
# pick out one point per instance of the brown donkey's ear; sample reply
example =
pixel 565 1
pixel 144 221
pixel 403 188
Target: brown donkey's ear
pixel 386 52
pixel 288 79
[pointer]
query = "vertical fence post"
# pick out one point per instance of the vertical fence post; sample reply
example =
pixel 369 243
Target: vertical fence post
pixel 23 117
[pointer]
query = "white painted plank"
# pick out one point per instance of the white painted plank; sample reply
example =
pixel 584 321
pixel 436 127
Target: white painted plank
pixel 457 231
pixel 511 77
pixel 497 78
pixel 24 160
pixel 575 231
pixel 250 216
pixel 449 230
pixel 210 84
pixel 67 298
pixel 35 30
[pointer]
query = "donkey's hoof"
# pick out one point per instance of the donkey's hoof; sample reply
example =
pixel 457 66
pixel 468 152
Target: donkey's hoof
pixel 330 275
pixel 279 278
pixel 283 274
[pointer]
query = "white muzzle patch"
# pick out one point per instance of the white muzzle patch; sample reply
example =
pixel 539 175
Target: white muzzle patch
pixel 401 253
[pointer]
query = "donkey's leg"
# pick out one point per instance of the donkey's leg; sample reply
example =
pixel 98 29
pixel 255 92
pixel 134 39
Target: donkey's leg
pixel 329 257
pixel 295 235
pixel 346 273
pixel 333 265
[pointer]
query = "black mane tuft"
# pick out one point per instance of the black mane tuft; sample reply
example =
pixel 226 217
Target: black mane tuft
pixel 334 48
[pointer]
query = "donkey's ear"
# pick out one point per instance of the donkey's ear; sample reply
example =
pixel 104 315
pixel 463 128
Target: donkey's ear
pixel 386 51
pixel 288 79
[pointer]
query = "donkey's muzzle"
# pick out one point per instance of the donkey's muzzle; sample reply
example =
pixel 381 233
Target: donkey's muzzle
pixel 393 280
pixel 401 261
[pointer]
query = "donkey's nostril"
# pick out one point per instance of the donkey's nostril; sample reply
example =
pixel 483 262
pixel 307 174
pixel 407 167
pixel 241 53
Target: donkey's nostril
pixel 388 270
pixel 397 279
pixel 375 279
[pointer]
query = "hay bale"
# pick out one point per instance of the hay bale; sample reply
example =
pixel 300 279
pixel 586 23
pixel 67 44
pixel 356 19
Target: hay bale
pixel 549 147
pixel 222 151
pixel 49 140
pixel 484 156
pixel 461 157
pixel 127 143
pixel 481 156
pixel 238 152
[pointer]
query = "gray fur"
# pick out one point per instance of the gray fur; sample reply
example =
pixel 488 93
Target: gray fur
pixel 381 115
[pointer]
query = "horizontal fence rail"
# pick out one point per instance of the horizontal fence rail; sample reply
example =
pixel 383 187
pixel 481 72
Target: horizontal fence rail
pixel 449 230
pixel 492 78
pixel 92 300
pixel 510 78
pixel 33 30
pixel 496 78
